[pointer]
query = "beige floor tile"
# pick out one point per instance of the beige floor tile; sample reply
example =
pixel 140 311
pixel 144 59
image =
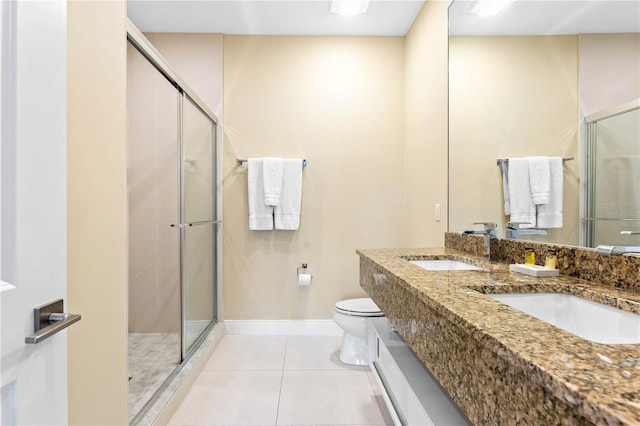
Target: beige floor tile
pixel 231 398
pixel 329 397
pixel 249 353
pixel 313 353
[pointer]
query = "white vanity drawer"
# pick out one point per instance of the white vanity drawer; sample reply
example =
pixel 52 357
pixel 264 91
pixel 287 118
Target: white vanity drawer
pixel 413 395
pixel 405 401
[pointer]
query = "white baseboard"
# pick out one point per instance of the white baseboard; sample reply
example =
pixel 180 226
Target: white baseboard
pixel 282 327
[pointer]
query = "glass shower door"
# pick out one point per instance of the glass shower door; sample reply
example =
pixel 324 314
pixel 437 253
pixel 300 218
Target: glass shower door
pixel 199 229
pixel 154 348
pixel 614 179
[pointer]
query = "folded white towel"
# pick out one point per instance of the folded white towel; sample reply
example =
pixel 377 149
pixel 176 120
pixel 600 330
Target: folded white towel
pixel 260 215
pixel 522 208
pixel 272 180
pixel 550 214
pixel 504 168
pixel 287 213
pixel 539 179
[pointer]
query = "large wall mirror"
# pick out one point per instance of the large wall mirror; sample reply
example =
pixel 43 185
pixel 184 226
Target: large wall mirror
pixel 521 83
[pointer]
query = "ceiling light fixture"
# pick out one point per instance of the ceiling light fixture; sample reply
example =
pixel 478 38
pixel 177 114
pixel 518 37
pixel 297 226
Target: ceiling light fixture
pixel 349 7
pixel 490 7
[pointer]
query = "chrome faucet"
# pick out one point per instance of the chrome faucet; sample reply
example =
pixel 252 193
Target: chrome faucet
pixel 488 232
pixel 609 250
pixel 514 231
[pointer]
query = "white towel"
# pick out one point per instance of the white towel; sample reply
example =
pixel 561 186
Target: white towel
pixel 272 180
pixel 539 179
pixel 522 208
pixel 287 213
pixel 504 168
pixel 260 215
pixel 550 214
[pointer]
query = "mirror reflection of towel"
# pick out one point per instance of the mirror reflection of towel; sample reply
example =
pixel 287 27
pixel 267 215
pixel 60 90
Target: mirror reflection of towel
pixel 539 179
pixel 522 208
pixel 550 214
pixel 504 168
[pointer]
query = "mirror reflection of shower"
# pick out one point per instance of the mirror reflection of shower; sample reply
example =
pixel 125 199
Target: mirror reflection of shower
pixel 613 177
pixel 172 227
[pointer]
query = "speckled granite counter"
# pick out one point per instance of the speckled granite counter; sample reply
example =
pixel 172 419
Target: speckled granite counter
pixel 499 365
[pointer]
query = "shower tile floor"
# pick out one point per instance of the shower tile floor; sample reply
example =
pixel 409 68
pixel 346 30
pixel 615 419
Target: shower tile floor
pixel 281 380
pixel 152 357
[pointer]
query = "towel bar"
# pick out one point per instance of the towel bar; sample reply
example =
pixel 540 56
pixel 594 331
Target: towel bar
pixel 239 161
pixel 506 160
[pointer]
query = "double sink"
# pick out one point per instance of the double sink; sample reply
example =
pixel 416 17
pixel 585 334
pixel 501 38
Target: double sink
pixel 593 321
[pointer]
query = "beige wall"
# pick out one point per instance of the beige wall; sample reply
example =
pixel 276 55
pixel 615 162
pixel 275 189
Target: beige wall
pixel 510 97
pixel 338 102
pixel 97 227
pixel 425 126
pixel 303 96
pixel 609 71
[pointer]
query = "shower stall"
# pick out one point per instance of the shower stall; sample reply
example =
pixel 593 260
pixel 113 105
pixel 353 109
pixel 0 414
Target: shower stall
pixel 172 194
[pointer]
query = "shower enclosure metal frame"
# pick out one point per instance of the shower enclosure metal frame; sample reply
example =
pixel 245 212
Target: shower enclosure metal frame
pixel 186 94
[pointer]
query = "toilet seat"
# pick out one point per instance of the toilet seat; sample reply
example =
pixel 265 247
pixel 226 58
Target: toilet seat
pixel 362 307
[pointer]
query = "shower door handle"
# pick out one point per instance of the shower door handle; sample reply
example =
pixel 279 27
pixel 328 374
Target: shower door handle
pixel 204 222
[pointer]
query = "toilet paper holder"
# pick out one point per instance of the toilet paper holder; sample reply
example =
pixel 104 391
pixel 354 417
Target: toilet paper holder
pixel 303 266
pixel 304 279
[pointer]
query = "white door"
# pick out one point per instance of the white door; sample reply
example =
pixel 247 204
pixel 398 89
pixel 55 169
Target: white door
pixel 33 207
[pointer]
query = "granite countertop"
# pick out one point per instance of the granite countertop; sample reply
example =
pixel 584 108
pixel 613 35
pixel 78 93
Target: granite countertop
pixel 601 381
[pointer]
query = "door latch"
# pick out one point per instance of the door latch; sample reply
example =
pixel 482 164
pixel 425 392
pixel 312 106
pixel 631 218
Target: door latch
pixel 49 319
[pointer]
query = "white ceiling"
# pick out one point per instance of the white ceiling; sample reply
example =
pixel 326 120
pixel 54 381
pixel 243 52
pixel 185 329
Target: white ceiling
pixel 384 17
pixel 297 17
pixel 526 17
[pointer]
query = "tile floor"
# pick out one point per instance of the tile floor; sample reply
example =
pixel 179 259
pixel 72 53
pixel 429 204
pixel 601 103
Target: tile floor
pixel 152 358
pixel 281 380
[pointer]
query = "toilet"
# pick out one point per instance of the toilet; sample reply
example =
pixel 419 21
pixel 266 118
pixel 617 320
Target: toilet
pixel 352 315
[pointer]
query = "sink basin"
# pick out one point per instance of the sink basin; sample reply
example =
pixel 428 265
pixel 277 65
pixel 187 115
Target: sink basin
pixel 445 265
pixel 590 320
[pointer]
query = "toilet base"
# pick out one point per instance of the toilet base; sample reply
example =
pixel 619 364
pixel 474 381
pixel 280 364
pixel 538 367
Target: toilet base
pixel 354 351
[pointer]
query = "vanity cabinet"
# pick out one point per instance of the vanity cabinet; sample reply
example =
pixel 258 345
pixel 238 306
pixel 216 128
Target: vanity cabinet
pixel 412 395
pixel 499 366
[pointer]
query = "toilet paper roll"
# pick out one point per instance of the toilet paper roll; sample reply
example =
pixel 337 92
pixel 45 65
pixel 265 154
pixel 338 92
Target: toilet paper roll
pixel 304 279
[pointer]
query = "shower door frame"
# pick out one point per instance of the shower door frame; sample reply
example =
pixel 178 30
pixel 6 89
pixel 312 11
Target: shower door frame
pixel 590 219
pixel 188 347
pixel 146 49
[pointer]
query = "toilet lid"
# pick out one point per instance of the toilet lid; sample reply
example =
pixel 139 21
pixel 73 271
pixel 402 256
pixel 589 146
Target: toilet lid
pixel 361 307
